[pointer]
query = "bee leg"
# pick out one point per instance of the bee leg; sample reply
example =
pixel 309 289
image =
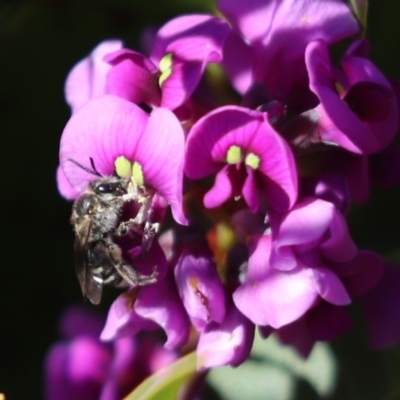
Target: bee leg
pixel 149 233
pixel 125 226
pixel 128 274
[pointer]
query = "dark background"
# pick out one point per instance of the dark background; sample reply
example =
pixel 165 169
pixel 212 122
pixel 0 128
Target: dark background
pixel 39 43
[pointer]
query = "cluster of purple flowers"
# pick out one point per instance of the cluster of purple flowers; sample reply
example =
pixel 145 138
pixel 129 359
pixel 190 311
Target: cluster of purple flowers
pixel 258 187
pixel 82 367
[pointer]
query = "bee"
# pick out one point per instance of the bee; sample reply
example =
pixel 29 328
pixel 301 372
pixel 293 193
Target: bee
pixel 96 218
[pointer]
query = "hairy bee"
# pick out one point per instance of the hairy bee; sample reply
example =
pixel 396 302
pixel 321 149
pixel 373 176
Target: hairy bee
pixel 96 217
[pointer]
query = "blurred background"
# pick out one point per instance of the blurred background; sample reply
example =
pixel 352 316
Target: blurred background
pixel 40 40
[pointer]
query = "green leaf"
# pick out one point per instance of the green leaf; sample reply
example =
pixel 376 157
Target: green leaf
pixel 166 383
pixel 279 371
pixel 360 9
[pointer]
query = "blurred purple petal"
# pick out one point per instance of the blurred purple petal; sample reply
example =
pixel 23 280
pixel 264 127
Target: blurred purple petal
pixel 124 373
pixel 80 321
pixel 238 62
pixel 279 32
pixel 191 38
pixel 360 274
pixel 76 370
pixel 381 310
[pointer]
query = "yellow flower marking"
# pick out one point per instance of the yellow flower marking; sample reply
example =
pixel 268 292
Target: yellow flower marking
pixel 234 155
pixel 165 66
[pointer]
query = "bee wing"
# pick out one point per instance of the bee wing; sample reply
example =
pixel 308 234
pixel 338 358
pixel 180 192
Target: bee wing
pixel 91 288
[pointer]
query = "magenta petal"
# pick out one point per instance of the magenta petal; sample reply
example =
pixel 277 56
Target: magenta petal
pixel 271 297
pixel 64 187
pixel 133 77
pixel 378 105
pixel 250 192
pixel 227 343
pixel 329 287
pixel 161 304
pixel 78 320
pixel 103 129
pixel 340 121
pixel 279 32
pixel 221 191
pixel 200 288
pixel 124 373
pixel 290 21
pixel 360 274
pixel 306 223
pixel 161 152
pixel 191 38
pixel 339 246
pixel 122 320
pixel 213 135
pixel 203 154
pixel 87 80
pixel 181 83
pixel 238 62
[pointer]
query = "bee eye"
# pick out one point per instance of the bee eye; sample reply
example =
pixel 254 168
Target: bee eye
pixel 111 188
pixel 85 205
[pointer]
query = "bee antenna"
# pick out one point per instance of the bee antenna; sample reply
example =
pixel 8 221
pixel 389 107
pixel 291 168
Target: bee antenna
pixel 92 171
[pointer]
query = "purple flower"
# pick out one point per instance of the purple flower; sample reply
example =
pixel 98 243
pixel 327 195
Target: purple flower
pixel 312 231
pixel 109 127
pixel 156 304
pixel 181 51
pixel 226 343
pixel 250 158
pixel 82 367
pixel 199 286
pixel 274 36
pixel 279 291
pixel 87 79
pixel 358 110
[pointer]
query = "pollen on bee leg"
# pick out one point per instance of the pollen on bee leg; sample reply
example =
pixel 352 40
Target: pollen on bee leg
pixel 123 167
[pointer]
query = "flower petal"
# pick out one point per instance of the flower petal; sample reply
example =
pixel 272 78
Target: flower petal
pixel 272 297
pixel 87 79
pixel 103 129
pixel 160 152
pixel 161 304
pixel 200 287
pixel 226 343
